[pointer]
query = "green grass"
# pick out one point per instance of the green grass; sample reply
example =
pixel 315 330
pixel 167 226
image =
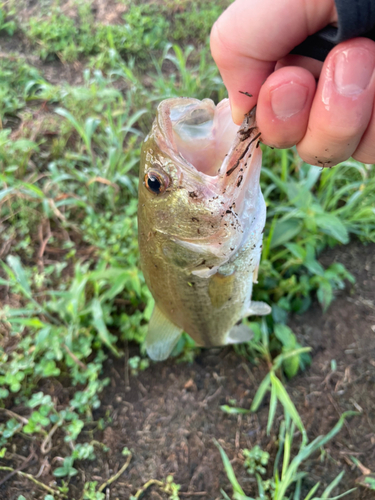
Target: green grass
pixel 286 480
pixel 68 163
pixel 141 31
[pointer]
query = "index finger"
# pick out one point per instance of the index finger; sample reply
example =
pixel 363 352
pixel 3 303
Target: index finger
pixel 252 35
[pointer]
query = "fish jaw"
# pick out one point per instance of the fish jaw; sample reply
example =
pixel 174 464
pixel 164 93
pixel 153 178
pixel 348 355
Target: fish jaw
pixel 224 201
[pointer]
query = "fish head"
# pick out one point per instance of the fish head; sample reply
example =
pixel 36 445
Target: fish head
pixel 199 184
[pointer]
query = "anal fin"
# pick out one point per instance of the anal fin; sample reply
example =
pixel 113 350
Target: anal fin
pixel 239 334
pixel 257 309
pixel 162 336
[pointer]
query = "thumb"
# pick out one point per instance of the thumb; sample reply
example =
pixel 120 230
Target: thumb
pixel 252 35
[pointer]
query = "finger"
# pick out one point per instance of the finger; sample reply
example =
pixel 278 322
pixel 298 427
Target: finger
pixel 365 151
pixel 342 105
pixel 284 106
pixel 312 65
pixel 251 35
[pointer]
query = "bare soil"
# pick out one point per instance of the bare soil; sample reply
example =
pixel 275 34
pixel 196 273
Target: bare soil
pixel 169 415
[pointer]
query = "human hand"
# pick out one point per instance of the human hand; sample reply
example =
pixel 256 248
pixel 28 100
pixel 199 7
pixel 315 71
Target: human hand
pixel 328 121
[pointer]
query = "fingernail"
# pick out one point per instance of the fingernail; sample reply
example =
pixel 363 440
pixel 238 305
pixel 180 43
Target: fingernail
pixel 238 114
pixel 288 99
pixel 353 69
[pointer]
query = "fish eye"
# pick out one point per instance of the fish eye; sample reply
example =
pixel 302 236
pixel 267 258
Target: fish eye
pixel 156 182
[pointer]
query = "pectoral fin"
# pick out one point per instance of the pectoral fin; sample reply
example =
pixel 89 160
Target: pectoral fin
pixel 239 334
pixel 255 274
pixel 162 336
pixel 257 309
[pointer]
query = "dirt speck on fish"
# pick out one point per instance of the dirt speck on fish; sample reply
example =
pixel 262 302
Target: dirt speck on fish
pixel 201 217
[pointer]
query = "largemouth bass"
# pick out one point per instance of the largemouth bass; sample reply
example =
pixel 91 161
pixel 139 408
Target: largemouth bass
pixel 201 217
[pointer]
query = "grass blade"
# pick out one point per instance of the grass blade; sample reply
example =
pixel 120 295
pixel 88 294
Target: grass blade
pixel 261 392
pixel 15 263
pixel 98 322
pixel 287 403
pixel 272 410
pixel 229 470
pixel 332 485
pixel 312 491
pixel 233 410
pixel 307 450
pixel 224 494
pixel 338 496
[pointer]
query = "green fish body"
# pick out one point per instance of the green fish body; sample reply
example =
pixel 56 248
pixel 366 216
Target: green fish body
pixel 201 217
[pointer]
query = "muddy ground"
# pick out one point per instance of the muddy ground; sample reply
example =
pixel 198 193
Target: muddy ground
pixel 169 415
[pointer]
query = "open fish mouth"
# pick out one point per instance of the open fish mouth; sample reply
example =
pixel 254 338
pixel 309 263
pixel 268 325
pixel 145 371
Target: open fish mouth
pixel 202 133
pixel 223 158
pixel 204 139
pixel 220 164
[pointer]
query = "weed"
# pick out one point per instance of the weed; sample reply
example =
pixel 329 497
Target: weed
pixel 59 35
pixel 195 23
pixel 137 364
pixel 7 23
pixel 255 460
pixel 167 486
pixel 281 482
pixel 14 76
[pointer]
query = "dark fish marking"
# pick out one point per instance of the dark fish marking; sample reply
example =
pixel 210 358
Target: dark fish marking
pixel 245 93
pixel 193 194
pixel 194 219
pixel 245 133
pixel 239 180
pixel 230 171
